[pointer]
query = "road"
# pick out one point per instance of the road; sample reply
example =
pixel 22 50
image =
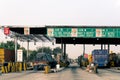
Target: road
pixel 109 74
pixel 73 72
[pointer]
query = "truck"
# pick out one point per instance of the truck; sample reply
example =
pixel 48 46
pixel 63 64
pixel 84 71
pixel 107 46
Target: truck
pixel 6 55
pixel 100 58
pixel 83 60
pixel 42 60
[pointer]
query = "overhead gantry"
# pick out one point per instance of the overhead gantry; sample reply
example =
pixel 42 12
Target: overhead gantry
pixel 104 35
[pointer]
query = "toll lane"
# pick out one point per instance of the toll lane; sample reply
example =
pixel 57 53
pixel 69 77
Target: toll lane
pixel 109 74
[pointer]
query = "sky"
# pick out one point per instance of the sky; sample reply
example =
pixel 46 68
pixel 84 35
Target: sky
pixel 61 12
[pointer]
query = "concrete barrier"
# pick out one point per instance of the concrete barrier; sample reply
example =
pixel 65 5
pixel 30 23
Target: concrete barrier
pixel 47 69
pixel 13 67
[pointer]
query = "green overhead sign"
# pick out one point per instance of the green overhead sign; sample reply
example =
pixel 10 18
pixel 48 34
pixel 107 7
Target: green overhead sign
pixel 84 32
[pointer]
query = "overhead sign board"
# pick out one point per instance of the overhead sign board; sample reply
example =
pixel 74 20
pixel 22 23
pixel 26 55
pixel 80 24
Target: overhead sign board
pixel 103 32
pixel 50 32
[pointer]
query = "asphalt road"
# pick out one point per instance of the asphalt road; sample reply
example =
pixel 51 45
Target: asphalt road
pixel 109 74
pixel 73 72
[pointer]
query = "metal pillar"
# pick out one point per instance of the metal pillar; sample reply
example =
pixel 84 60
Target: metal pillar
pixel 15 49
pixel 108 48
pixel 27 50
pixel 83 49
pixel 62 48
pixel 104 46
pixel 64 51
pixel 42 46
pixel 101 46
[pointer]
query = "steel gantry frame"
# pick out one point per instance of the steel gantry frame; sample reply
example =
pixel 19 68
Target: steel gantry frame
pixel 40 34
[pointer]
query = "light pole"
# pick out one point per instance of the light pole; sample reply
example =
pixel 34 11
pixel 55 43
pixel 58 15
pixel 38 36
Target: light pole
pixel 28 50
pixel 15 49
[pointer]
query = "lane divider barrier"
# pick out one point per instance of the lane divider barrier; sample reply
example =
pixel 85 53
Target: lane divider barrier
pixel 13 67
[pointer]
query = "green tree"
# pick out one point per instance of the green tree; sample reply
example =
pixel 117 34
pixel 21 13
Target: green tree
pixel 46 50
pixel 2 45
pixel 24 53
pixel 57 50
pixel 9 45
pixel 33 55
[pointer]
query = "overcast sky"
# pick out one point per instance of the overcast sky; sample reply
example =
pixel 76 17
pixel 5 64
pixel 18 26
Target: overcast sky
pixel 60 12
pixel 63 12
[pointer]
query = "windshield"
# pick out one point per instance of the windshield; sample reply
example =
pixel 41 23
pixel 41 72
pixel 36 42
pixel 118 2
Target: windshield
pixel 100 57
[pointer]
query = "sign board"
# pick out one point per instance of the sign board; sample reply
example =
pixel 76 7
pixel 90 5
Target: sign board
pixel 74 32
pixel 6 31
pixel 50 32
pixel 19 55
pixel 85 55
pixel 26 31
pixel 84 32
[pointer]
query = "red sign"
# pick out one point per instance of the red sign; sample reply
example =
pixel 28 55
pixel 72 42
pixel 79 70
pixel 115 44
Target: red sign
pixel 85 55
pixel 6 30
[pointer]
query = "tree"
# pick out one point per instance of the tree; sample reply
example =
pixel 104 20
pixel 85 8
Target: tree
pixel 57 50
pixel 33 55
pixel 2 45
pixel 46 50
pixel 24 53
pixel 9 45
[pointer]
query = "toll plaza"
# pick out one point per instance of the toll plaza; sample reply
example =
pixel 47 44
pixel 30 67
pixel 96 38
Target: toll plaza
pixel 103 35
